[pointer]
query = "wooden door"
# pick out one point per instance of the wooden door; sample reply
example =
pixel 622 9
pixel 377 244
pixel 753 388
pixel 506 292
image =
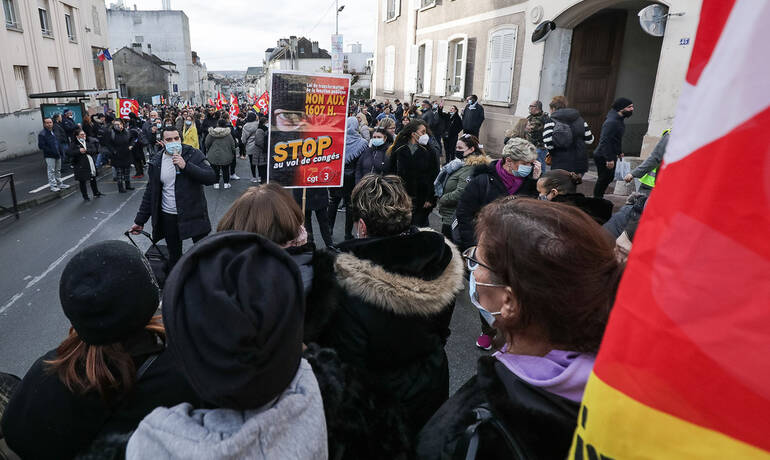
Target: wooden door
pixel 593 66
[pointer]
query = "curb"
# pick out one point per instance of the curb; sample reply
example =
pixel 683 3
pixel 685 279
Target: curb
pixel 31 203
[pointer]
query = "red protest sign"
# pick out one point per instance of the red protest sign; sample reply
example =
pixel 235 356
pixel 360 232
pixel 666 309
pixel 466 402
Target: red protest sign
pixel 307 129
pixel 127 106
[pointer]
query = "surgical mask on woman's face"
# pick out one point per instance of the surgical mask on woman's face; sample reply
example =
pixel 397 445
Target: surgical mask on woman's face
pixel 376 141
pixel 423 140
pixel 489 317
pixel 523 171
pixel 158 125
pixel 459 154
pixel 188 122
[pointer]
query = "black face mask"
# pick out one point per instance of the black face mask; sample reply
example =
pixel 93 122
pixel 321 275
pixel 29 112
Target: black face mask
pixel 459 154
pixel 628 113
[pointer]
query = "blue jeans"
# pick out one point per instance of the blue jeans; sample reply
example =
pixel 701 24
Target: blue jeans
pixel 541 158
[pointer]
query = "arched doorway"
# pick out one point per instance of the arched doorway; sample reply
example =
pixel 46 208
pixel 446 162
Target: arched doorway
pixel 600 53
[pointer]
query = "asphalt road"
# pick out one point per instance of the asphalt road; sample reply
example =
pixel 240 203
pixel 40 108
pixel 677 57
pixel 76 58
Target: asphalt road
pixel 35 249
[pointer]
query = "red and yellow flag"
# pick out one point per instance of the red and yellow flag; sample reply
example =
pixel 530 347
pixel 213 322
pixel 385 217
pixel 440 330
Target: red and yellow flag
pixel 684 368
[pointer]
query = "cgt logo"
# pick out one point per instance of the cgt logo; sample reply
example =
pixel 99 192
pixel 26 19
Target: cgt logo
pixel 584 451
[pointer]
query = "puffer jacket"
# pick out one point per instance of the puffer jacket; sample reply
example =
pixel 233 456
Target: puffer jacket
pixel 455 185
pixel 220 146
pixel 254 137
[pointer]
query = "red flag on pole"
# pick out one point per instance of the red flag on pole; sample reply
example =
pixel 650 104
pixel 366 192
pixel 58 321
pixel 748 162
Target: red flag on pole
pixel 234 109
pixel 683 369
pixel 263 102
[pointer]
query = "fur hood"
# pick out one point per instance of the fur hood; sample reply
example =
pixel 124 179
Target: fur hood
pixel 219 132
pixel 477 160
pixel 421 289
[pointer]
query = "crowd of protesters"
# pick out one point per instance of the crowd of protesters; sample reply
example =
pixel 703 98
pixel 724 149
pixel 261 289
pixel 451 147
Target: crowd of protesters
pixel 262 345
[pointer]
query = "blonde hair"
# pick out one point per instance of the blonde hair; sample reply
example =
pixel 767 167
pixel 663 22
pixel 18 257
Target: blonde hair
pixel 361 119
pixel 383 204
pixel 386 123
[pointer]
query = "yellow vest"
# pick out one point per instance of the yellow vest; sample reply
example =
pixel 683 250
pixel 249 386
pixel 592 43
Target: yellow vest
pixel 649 178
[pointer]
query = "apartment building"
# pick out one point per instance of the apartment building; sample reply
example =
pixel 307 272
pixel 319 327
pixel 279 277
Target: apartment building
pixel 450 49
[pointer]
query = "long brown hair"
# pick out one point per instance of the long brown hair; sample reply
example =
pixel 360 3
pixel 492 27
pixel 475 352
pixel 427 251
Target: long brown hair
pixel 266 210
pixel 560 265
pixel 107 369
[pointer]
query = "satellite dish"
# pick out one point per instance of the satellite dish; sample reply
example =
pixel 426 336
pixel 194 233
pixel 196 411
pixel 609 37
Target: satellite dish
pixel 543 31
pixel 653 20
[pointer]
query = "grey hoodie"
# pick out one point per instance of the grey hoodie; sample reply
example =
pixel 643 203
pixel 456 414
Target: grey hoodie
pixel 292 427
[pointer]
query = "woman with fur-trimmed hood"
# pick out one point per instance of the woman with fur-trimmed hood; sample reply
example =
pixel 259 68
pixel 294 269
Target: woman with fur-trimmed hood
pixel 384 303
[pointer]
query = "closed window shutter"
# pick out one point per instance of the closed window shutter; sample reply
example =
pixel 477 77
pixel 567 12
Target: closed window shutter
pixel 398 8
pixel 428 65
pixel 500 59
pixel 441 67
pixel 411 71
pixel 390 67
pixel 21 87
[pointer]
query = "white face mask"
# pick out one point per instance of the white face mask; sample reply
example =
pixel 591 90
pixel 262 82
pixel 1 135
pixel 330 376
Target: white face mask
pixel 423 140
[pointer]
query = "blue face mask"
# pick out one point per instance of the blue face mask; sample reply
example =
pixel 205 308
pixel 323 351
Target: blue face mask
pixel 188 122
pixel 542 197
pixel 523 171
pixel 173 147
pixel 489 317
pixel 377 141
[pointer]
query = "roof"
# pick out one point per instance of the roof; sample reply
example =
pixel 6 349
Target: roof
pixel 304 50
pixel 254 70
pixel 148 57
pixel 72 93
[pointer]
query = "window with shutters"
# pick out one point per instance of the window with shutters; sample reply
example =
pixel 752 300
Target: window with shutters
pixel 20 77
pixel 390 69
pixel 424 70
pixel 501 53
pixel 70 25
pixel 53 79
pixel 45 24
pixel 427 3
pixel 458 52
pixel 392 9
pixel 11 19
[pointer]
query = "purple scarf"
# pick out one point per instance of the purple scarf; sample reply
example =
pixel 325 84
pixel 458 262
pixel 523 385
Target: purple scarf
pixel 512 183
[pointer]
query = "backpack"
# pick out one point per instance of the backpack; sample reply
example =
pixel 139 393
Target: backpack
pixel 562 134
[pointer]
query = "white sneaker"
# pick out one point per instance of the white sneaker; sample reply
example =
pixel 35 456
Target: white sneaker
pixel 216 186
pixel 63 186
pixel 228 185
pixel 234 176
pixel 55 189
pixel 254 180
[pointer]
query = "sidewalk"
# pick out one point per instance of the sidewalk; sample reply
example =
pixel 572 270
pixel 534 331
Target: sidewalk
pixel 31 180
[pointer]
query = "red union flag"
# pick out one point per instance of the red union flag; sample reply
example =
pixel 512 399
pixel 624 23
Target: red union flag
pixel 127 106
pixel 684 368
pixel 263 103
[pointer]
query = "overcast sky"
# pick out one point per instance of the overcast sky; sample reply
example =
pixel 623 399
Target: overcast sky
pixel 233 34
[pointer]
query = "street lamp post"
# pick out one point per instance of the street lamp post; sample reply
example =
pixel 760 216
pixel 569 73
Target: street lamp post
pixel 337 18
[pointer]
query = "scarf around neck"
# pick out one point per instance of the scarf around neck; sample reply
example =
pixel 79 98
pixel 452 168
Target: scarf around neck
pixel 512 183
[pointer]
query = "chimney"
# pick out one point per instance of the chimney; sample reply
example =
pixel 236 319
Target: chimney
pixel 315 47
pixel 136 47
pixel 134 6
pixel 149 48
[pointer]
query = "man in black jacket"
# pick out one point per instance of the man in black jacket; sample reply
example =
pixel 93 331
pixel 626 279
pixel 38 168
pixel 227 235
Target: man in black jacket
pixel 174 196
pixel 473 116
pixel 610 143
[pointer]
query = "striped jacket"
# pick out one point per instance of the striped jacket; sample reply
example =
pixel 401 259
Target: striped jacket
pixel 572 158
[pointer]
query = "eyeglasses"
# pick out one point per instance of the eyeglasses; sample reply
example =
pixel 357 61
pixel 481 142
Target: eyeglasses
pixel 471 261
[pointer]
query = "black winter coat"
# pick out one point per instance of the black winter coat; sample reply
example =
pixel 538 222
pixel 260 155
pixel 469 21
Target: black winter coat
pixel 611 139
pixel 472 119
pixel 80 160
pixel 454 126
pixel 574 157
pixel 598 208
pixel 191 208
pixel 45 420
pixel 315 199
pixel 119 142
pixel 417 170
pixel 540 423
pixel 385 304
pixel 373 160
pixel 484 187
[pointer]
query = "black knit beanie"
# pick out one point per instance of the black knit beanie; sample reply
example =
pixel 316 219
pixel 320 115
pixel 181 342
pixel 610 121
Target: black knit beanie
pixel 621 103
pixel 233 309
pixel 108 292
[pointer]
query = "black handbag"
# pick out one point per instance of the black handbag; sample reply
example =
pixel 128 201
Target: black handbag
pixel 157 256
